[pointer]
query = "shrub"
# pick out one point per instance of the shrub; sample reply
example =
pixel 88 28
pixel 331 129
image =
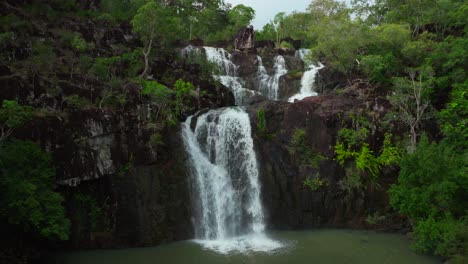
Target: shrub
pixel 431 191
pixel 76 101
pixel 156 140
pixel 27 200
pixel 261 121
pixel 287 45
pixel 304 153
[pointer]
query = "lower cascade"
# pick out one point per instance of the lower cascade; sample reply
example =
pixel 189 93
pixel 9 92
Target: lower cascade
pixel 228 214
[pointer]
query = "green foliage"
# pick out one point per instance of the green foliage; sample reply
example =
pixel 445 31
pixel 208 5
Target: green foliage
pixel 161 97
pixel 303 152
pixel 41 59
pixel 431 191
pixel 153 20
pixel 445 237
pixel 208 68
pixel 157 91
pixel 6 38
pixel 365 161
pixel 12 116
pixel 267 33
pixel 351 146
pixel 77 102
pixel 156 140
pixel 27 200
pixel 79 44
pixel 261 121
pixel 182 91
pixel 105 68
pixel 240 16
pixel 120 9
pixel 454 118
pixel 126 65
pixel 287 45
pixel 315 183
pixel 375 218
pixel 125 169
pixel 90 205
pixel 114 99
pixel 295 74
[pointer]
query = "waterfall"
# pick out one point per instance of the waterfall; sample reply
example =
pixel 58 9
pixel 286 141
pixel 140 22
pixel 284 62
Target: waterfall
pixel 308 78
pixel 269 85
pixel 226 189
pixel 228 74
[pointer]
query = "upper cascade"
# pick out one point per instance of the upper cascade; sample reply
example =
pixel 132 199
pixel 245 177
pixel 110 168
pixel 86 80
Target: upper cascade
pixel 308 78
pixel 268 82
pixel 228 76
pixel 269 85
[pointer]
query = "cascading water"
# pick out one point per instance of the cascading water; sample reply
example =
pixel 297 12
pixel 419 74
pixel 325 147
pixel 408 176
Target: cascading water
pixel 228 210
pixel 269 85
pixel 308 78
pixel 228 76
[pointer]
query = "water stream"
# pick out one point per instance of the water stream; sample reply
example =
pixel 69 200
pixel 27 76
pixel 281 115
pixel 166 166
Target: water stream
pixel 269 85
pixel 226 191
pixel 228 74
pixel 308 78
pixel 228 217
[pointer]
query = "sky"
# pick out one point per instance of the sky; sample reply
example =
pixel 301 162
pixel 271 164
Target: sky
pixel 265 10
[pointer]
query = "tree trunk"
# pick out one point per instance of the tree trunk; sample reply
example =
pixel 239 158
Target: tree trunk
pixel 413 139
pixel 146 53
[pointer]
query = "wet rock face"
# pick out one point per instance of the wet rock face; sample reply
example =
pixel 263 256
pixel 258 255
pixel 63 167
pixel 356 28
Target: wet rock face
pixel 245 39
pixel 107 163
pixel 288 203
pixel 248 70
pixel 145 203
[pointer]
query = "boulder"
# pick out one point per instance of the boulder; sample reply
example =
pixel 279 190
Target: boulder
pixel 245 39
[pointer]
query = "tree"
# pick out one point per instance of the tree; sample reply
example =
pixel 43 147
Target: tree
pixel 27 200
pixel 320 9
pixel 267 33
pixel 431 191
pixel 410 101
pixel 151 21
pixel 12 116
pixel 278 22
pixel 160 96
pixel 340 51
pixel 240 16
pixel 454 118
pixel 296 25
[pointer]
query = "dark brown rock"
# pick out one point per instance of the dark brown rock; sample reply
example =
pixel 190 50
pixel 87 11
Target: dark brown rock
pixel 288 203
pixel 245 39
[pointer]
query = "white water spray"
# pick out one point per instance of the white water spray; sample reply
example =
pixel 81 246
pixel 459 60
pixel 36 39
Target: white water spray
pixel 269 85
pixel 308 78
pixel 228 212
pixel 228 75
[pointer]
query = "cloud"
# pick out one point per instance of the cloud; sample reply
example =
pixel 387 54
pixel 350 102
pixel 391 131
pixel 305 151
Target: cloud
pixel 265 10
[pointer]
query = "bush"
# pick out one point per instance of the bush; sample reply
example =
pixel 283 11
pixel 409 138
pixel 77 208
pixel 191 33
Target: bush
pixel 431 191
pixel 27 200
pixel 287 45
pixel 261 121
pixel 304 153
pixel 77 102
pixel 156 140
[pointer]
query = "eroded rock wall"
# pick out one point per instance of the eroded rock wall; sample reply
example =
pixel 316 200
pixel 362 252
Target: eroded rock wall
pixel 289 204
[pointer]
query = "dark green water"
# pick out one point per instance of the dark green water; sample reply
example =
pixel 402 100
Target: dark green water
pixel 321 246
